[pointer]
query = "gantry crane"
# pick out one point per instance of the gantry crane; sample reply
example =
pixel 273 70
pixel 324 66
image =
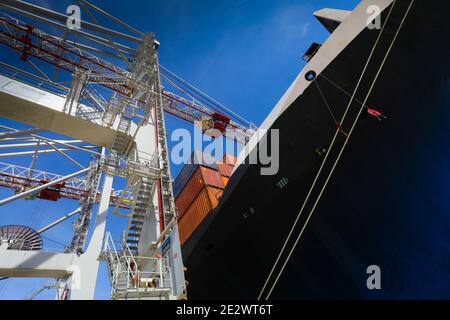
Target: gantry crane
pixel 114 105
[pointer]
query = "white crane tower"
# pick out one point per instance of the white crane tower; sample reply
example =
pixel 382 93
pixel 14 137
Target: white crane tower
pixel 116 115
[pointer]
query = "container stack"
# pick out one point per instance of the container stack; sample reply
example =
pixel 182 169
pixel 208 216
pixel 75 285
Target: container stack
pixel 198 189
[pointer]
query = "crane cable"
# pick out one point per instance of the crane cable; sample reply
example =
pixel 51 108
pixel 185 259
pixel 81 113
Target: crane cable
pixel 337 159
pixel 194 100
pixel 197 99
pixel 326 103
pixel 322 75
pixel 191 87
pixel 205 96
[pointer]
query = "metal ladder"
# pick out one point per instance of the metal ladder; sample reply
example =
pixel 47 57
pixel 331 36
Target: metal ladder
pixel 121 141
pixel 168 200
pixel 92 95
pixel 112 108
pixel 87 201
pixel 142 203
pixel 116 265
pixel 72 102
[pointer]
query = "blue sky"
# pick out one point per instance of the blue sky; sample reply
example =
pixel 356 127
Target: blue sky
pixel 244 53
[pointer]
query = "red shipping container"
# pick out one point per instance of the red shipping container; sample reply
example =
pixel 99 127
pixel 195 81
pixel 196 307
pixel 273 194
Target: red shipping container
pixel 203 176
pixel 189 192
pixel 200 208
pixel 224 169
pixel 212 177
pixel 229 159
pixel 214 195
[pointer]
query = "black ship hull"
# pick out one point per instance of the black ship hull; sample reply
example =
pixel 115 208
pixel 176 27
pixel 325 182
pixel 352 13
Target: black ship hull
pixel 386 202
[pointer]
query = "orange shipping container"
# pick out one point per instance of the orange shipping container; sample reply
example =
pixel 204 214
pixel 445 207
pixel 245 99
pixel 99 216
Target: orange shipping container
pixel 224 169
pixel 229 159
pixel 203 204
pixel 225 180
pixel 211 177
pixel 214 196
pixel 189 192
pixel 201 177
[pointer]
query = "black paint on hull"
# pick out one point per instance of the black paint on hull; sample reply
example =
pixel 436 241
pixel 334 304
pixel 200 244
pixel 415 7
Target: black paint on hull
pixel 386 203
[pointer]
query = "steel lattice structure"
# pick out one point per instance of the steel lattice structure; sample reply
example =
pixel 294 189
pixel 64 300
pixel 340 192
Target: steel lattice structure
pixel 113 107
pixel 62 54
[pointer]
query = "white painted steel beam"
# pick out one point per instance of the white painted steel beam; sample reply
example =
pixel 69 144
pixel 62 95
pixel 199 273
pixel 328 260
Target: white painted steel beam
pixel 27 153
pixel 61 152
pixel 35 264
pixel 54 223
pixel 38 108
pixel 88 261
pixel 29 144
pixel 19 133
pixel 13 5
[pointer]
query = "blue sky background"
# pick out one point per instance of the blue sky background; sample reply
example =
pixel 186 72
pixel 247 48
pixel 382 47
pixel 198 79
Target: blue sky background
pixel 243 53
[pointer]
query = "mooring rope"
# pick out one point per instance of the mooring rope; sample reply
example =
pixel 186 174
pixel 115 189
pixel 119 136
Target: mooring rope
pixel 344 145
pixel 322 166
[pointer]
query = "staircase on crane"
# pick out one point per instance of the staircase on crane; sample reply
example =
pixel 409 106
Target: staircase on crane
pixel 134 277
pixel 121 141
pixel 81 225
pixel 168 200
pixel 142 203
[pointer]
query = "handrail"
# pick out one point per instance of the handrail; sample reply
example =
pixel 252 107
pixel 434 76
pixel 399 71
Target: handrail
pixel 124 278
pixel 113 246
pixel 132 258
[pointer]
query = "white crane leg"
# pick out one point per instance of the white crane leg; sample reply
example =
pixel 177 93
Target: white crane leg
pixel 83 284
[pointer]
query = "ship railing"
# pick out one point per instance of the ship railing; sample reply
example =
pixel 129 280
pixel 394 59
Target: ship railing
pixel 144 273
pixel 142 280
pixel 135 273
pixel 111 256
